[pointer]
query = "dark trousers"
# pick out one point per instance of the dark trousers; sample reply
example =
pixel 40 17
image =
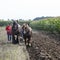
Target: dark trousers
pixel 9 36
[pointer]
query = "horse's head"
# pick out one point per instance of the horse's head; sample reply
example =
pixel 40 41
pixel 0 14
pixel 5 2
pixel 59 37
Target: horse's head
pixel 26 28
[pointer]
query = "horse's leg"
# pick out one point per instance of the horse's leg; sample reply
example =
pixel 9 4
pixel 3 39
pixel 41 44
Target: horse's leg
pixel 28 40
pixel 13 38
pixel 17 39
pixel 25 39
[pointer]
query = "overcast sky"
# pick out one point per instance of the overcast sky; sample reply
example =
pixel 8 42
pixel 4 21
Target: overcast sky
pixel 28 9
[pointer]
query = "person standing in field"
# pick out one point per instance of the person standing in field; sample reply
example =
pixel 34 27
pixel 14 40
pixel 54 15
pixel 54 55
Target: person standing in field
pixel 9 32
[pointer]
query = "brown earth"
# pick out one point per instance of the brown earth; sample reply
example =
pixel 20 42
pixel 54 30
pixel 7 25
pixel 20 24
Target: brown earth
pixel 45 46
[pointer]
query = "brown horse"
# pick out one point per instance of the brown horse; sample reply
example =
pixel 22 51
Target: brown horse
pixel 27 34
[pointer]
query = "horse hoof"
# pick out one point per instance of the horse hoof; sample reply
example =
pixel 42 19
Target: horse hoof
pixel 28 46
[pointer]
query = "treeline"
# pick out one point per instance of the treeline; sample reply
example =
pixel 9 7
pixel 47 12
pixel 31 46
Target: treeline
pixel 5 23
pixel 49 24
pixel 40 18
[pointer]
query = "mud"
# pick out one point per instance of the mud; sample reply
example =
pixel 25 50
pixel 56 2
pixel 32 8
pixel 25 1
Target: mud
pixel 45 46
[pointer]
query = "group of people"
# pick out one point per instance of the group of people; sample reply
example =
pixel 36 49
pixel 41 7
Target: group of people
pixel 15 31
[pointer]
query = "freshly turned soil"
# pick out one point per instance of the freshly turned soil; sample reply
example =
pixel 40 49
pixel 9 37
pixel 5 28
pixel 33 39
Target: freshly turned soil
pixel 45 46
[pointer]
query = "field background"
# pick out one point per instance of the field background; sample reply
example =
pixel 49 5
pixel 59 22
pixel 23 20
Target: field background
pixel 50 24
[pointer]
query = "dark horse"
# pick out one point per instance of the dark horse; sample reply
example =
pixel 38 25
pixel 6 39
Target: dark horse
pixel 27 34
pixel 15 32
